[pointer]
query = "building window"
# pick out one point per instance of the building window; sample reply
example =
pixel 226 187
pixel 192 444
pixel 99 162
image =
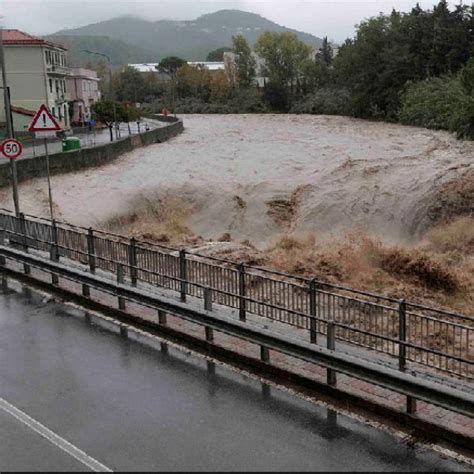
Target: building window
pixel 53 111
pixel 65 114
pixel 65 87
pixel 51 86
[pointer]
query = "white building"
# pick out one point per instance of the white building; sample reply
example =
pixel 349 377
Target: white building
pixel 83 88
pixel 37 73
pixel 153 67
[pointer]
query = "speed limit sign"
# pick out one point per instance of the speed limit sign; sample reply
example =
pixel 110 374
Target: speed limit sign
pixel 11 148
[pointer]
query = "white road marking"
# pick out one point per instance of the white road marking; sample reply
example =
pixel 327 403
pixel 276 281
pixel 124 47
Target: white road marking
pixel 52 437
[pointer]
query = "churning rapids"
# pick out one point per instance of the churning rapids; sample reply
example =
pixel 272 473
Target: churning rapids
pixel 256 176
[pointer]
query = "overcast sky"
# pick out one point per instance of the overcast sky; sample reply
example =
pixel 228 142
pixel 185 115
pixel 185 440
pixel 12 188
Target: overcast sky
pixel 335 19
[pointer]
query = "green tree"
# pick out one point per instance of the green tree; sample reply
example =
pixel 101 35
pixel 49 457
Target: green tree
pixel 325 54
pixel 285 57
pixel 245 65
pixel 103 111
pixel 131 112
pixel 314 75
pixel 130 85
pixel 193 81
pixel 467 77
pixel 390 50
pixel 217 55
pixel 171 66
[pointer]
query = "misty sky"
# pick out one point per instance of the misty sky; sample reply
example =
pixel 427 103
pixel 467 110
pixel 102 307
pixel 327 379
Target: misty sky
pixel 335 18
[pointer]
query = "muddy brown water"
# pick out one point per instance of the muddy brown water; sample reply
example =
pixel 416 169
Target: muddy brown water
pixel 256 176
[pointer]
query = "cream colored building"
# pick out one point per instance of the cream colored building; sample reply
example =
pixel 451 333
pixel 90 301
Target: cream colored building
pixel 37 73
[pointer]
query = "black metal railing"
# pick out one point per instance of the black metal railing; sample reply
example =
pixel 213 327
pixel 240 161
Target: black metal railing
pixel 412 333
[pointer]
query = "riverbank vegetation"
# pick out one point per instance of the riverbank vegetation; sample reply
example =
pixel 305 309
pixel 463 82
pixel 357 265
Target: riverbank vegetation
pixel 416 68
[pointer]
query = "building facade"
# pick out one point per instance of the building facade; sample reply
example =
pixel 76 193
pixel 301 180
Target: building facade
pixel 83 87
pixel 37 73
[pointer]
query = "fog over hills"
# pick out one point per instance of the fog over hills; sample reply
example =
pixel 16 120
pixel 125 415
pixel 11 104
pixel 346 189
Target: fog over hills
pixel 192 40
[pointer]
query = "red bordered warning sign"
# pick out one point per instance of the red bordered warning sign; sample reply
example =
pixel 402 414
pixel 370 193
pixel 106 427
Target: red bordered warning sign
pixel 44 121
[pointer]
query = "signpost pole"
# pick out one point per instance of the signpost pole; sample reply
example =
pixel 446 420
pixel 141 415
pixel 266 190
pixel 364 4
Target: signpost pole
pixel 16 199
pixel 49 179
pixel 45 123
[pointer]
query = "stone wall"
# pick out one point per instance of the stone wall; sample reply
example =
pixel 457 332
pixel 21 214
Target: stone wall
pixel 66 162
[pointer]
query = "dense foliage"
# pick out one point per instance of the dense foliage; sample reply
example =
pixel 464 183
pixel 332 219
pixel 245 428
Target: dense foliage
pixel 103 111
pixel 389 51
pixel 444 102
pixel 218 54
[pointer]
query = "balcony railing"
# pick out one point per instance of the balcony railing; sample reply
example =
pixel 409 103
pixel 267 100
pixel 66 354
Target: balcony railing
pixel 58 69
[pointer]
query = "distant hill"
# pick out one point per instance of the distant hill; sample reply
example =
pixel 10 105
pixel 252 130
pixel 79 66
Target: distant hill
pixel 118 51
pixel 191 40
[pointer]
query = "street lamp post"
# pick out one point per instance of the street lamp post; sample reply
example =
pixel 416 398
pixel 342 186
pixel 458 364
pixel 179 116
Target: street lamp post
pixel 9 123
pixel 111 95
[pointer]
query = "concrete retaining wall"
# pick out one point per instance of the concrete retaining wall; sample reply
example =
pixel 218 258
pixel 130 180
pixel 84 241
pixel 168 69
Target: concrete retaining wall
pixel 66 162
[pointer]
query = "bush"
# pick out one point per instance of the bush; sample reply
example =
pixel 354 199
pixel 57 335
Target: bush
pixel 439 103
pixel 242 101
pixel 247 101
pixel 326 101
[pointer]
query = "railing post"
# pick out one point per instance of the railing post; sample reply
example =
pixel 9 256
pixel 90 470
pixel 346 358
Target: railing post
pixel 183 274
pixel 402 337
pixel 54 249
pixel 331 345
pixel 242 294
pixel 162 319
pixel 23 232
pixel 411 405
pixel 208 299
pixel 124 331
pixel 91 250
pixel 120 280
pixel 3 260
pixel 264 354
pixel 24 241
pixel 209 334
pixel 313 312
pixel 2 234
pixel 132 260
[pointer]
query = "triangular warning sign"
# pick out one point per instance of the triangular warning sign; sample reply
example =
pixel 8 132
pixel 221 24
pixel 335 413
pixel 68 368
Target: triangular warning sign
pixel 44 121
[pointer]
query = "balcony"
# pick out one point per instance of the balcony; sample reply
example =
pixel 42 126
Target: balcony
pixel 59 70
pixel 60 98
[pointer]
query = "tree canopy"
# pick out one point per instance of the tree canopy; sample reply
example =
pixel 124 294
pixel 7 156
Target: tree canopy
pixel 245 65
pixel 217 55
pixel 171 65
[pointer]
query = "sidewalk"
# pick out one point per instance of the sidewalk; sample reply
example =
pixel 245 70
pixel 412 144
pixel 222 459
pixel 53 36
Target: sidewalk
pixel 88 139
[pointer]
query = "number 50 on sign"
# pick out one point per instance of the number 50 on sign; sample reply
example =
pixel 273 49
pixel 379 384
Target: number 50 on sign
pixel 11 148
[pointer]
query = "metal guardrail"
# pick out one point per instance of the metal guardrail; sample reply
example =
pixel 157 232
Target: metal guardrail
pixel 413 387
pixel 414 334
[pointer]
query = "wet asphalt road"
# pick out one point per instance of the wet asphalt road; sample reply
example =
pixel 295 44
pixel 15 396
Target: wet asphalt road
pixel 133 407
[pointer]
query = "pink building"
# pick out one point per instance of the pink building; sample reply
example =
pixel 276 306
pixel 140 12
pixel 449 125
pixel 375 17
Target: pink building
pixel 83 88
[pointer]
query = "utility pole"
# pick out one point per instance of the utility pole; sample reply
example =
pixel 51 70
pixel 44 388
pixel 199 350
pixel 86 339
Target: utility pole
pixel 9 124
